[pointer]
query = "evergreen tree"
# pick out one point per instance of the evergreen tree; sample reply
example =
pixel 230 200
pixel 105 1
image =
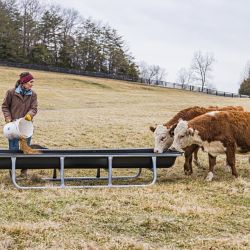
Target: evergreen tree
pixel 245 87
pixel 60 37
pixel 50 32
pixel 10 25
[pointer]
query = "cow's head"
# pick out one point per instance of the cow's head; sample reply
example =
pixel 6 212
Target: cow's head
pixel 163 138
pixel 183 136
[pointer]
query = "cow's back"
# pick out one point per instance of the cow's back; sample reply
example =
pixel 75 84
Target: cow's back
pixel 195 111
pixel 225 126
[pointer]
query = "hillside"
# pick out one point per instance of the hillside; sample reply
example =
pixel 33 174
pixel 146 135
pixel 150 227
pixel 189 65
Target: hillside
pixel 93 112
pixel 178 212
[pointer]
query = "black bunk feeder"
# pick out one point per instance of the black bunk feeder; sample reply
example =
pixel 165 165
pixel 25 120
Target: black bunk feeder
pixel 88 159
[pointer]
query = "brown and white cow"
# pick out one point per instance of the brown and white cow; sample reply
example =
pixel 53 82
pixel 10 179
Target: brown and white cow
pixel 164 136
pixel 216 132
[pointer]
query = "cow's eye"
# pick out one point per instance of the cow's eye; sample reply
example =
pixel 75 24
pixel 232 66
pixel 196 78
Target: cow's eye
pixel 162 139
pixel 181 136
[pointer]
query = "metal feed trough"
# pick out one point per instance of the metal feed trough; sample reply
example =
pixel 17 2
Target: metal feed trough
pixel 108 159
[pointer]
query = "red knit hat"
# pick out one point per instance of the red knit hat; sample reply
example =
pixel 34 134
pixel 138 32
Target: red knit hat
pixel 26 78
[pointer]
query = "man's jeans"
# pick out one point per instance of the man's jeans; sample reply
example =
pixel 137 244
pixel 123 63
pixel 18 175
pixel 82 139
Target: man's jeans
pixel 14 143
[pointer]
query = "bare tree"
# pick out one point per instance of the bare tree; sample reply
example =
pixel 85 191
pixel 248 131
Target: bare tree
pixel 152 72
pixel 71 21
pixel 184 76
pixel 246 71
pixel 157 73
pixel 31 10
pixel 202 66
pixel 143 68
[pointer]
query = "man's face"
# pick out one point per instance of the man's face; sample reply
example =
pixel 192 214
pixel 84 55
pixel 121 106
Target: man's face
pixel 28 85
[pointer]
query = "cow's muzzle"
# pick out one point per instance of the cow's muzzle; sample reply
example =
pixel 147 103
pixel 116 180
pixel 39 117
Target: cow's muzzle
pixel 172 148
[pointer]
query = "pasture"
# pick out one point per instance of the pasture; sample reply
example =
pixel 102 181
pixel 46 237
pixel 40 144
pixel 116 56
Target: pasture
pixel 179 212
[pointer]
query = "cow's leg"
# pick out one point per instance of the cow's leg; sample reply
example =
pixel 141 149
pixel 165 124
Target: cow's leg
pixel 196 160
pixel 227 167
pixel 230 154
pixel 212 163
pixel 188 169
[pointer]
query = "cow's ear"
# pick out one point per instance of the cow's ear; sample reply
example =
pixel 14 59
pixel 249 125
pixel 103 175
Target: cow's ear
pixel 152 128
pixel 171 131
pixel 190 131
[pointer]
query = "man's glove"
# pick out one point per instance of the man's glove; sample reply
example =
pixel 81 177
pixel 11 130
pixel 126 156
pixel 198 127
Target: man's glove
pixel 28 117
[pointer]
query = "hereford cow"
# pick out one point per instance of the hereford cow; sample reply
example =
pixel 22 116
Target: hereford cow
pixel 216 132
pixel 164 137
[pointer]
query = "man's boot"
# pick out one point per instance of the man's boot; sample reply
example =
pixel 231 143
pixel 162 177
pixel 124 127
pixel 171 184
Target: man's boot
pixel 24 173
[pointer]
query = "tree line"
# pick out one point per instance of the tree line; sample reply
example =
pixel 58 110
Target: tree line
pixel 38 33
pixel 33 31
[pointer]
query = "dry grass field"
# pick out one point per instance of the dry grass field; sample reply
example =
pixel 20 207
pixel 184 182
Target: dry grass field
pixel 179 212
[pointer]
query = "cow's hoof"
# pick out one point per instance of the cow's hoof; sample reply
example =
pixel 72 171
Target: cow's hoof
pixel 228 168
pixel 209 176
pixel 188 172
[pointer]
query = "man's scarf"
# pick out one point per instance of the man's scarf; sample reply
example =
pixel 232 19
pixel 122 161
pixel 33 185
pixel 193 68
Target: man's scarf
pixel 22 91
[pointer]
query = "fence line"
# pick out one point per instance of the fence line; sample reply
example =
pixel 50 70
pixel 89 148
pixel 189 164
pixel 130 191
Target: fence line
pixel 163 84
pixel 192 88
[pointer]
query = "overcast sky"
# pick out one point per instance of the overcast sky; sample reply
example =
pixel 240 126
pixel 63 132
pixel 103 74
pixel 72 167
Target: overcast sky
pixel 168 32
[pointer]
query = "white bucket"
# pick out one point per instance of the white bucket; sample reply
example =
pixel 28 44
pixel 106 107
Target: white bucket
pixel 18 128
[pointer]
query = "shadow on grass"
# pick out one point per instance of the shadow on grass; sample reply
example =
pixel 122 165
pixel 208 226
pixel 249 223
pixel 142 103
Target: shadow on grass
pixel 94 84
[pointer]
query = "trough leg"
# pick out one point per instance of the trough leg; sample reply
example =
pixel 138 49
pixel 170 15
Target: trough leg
pixel 54 174
pixel 154 170
pixel 13 171
pixel 110 161
pixel 13 174
pixel 62 172
pixel 98 173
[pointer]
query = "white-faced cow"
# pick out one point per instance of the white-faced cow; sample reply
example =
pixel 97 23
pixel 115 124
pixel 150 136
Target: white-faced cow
pixel 216 132
pixel 164 136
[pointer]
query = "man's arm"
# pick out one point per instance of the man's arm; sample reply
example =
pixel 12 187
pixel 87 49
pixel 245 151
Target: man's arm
pixel 6 107
pixel 33 107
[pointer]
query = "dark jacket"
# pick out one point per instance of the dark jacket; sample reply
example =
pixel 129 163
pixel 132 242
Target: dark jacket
pixel 16 106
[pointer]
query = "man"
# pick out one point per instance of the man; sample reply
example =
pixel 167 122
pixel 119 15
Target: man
pixel 19 102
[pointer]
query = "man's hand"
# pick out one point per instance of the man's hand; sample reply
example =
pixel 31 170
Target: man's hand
pixel 28 117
